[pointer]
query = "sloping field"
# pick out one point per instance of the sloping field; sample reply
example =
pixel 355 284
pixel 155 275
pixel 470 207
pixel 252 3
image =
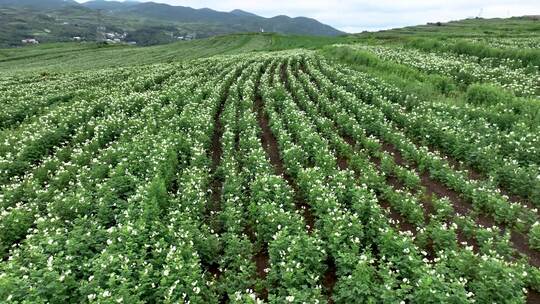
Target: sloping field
pixel 69 57
pixel 283 177
pixel 62 57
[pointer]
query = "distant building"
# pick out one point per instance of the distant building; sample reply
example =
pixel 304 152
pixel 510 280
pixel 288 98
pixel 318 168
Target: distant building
pixel 114 37
pixel 30 41
pixel 77 38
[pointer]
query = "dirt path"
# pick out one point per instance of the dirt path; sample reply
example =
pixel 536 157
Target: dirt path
pixel 216 183
pixel 270 145
pixel 216 152
pixel 330 278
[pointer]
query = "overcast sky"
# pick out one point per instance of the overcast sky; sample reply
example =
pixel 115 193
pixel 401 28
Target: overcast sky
pixel 359 15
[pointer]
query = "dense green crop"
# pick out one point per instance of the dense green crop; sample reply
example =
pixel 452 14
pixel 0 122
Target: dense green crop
pixel 360 174
pixel 487 95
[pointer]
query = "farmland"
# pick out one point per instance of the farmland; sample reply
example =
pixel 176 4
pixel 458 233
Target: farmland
pixel 271 169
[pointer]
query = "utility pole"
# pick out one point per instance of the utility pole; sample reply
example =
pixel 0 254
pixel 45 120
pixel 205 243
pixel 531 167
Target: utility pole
pixel 480 13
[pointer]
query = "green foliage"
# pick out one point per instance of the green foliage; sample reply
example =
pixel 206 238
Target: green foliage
pixel 534 236
pixel 443 84
pixel 287 42
pixel 424 43
pixel 479 49
pixel 486 95
pixel 526 56
pixel 360 286
pixel 360 58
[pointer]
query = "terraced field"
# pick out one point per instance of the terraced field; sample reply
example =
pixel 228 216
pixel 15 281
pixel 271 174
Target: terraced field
pixel 281 177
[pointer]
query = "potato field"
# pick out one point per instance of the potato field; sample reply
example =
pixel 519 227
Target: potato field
pixel 273 177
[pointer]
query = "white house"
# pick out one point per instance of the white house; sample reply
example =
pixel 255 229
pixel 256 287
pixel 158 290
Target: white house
pixel 30 41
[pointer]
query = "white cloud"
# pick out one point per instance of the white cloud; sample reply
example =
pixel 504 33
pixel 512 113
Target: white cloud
pixel 355 16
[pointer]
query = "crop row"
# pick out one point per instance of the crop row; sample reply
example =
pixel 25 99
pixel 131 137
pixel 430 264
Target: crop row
pixel 465 69
pixel 270 177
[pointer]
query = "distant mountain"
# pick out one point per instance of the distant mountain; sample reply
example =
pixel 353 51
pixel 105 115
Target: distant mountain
pixel 39 4
pixel 242 13
pixel 108 5
pixel 236 20
pixel 300 26
pixel 145 23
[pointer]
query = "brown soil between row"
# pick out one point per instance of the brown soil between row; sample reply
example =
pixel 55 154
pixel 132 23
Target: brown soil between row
pixel 436 188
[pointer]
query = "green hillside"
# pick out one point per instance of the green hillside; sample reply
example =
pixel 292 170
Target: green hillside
pixel 234 21
pixel 516 38
pixel 144 23
pixel 81 56
pixel 524 27
pixel 39 4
